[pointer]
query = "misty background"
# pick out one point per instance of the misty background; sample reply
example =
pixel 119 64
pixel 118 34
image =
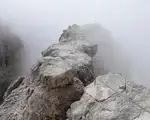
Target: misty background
pixel 39 23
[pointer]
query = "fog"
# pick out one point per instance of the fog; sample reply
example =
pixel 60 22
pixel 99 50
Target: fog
pixel 39 23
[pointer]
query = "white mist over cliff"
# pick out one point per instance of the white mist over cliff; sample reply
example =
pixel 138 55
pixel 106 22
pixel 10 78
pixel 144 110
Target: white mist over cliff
pixel 40 22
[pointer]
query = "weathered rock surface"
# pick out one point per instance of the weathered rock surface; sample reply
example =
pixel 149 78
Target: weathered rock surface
pixel 112 97
pixel 59 79
pixel 56 81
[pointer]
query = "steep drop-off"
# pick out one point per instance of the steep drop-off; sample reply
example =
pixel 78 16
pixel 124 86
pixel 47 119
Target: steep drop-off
pixel 11 57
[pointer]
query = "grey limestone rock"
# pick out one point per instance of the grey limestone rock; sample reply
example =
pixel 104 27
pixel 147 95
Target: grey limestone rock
pixel 112 97
pixel 56 81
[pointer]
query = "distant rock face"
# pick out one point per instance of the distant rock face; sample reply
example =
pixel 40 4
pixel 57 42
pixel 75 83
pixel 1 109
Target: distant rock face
pixel 111 97
pixel 56 81
pixel 104 59
pixel 11 52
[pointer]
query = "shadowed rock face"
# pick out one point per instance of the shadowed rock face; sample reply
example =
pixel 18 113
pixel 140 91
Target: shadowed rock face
pixel 56 81
pixel 11 50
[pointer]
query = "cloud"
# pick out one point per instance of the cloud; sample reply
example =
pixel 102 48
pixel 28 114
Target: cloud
pixel 40 22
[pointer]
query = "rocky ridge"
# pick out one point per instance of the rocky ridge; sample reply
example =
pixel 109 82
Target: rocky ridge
pixel 63 86
pixel 56 81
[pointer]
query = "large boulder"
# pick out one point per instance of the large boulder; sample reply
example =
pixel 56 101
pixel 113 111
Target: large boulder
pixel 56 81
pixel 112 97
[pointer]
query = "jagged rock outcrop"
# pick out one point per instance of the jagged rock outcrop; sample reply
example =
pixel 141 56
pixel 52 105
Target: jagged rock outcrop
pixel 112 97
pixel 65 74
pixel 11 52
pixel 56 81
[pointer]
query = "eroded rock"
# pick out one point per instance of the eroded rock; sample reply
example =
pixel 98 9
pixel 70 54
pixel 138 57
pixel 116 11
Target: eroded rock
pixel 112 97
pixel 56 81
